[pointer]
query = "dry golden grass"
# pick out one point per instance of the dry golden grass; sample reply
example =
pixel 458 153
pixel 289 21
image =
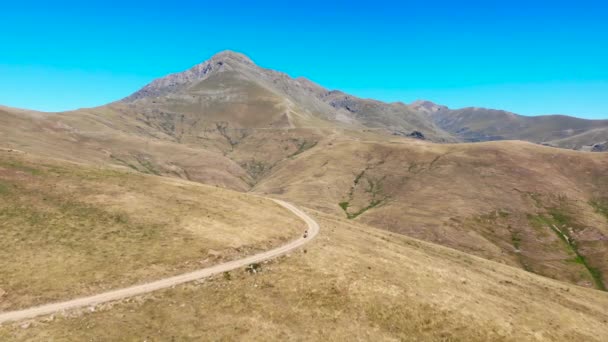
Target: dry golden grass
pixel 68 230
pixel 447 194
pixel 352 283
pixel 481 198
pixel 109 135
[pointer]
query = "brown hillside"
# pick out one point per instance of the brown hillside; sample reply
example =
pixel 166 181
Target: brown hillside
pixel 514 202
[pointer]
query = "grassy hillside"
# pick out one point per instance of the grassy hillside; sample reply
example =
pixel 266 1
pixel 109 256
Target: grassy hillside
pixel 68 229
pixel 518 203
pixel 486 199
pixel 114 136
pixel 352 283
pixel 124 203
pixel 231 124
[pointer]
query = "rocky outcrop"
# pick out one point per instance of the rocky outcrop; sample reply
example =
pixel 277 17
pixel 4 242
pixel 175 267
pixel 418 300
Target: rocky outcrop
pixel 417 135
pixel 427 107
pixel 603 147
pixel 232 79
pixel 175 82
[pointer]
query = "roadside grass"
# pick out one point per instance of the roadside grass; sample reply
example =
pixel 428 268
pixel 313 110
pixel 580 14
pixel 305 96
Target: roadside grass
pixel 70 230
pixel 354 283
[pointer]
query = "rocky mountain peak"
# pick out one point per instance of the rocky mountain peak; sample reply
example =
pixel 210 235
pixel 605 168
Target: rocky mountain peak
pixel 174 82
pixel 427 107
pixel 231 56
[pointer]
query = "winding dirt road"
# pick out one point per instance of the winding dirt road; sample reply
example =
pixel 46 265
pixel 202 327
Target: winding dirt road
pixel 313 230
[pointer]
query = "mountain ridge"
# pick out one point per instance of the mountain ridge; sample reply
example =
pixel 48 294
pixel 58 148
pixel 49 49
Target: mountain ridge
pixel 305 98
pixel 198 72
pixel 421 118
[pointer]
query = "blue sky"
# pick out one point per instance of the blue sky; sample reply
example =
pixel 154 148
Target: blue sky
pixel 530 57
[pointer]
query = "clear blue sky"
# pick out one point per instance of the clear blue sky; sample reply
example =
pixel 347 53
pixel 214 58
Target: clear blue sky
pixel 530 57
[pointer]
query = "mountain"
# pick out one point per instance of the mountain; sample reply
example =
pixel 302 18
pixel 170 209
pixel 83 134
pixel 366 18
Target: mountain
pixel 231 87
pixel 231 124
pixel 424 234
pixel 480 124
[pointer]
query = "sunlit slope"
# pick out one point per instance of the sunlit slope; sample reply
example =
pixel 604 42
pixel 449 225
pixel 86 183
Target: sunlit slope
pixel 109 136
pixel 352 282
pixel 538 208
pixel 68 230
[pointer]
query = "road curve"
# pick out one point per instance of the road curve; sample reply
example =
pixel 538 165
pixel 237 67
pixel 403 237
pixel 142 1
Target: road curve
pixel 313 230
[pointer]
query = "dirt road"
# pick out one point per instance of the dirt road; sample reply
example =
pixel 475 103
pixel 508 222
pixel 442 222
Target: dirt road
pixel 313 229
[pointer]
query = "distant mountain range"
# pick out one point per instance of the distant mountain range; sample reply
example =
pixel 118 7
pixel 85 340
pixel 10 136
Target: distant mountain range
pixel 480 124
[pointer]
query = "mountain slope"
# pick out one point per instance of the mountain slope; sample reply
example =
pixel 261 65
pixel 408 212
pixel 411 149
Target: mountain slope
pixel 511 202
pixel 352 283
pixel 224 114
pixel 69 230
pixel 110 136
pixel 480 124
pixel 232 124
pixel 527 210
pixel 302 102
